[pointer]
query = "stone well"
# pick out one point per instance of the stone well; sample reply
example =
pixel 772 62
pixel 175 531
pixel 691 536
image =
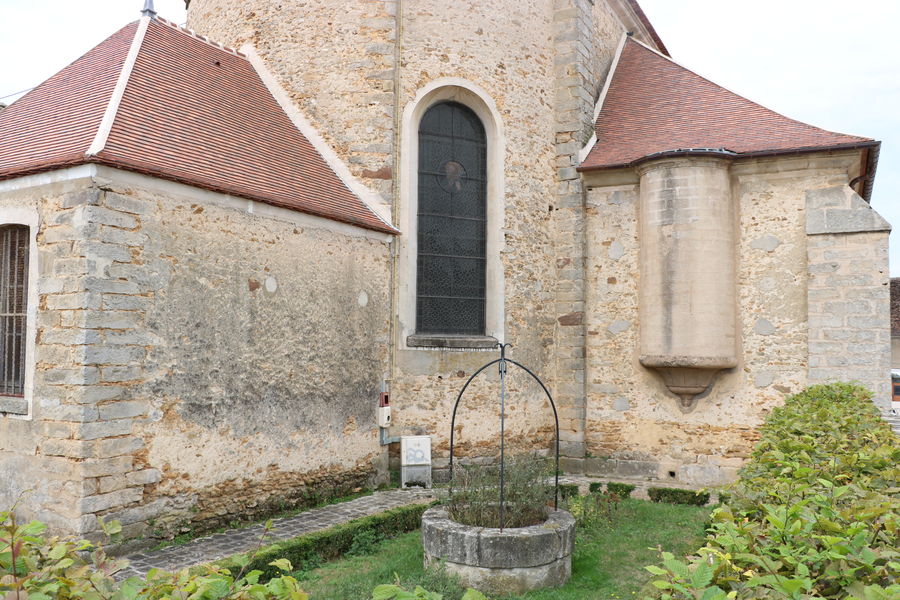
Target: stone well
pixel 511 561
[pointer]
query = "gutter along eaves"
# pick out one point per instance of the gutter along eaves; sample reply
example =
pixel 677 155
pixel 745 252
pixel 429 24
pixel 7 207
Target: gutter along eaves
pixel 866 145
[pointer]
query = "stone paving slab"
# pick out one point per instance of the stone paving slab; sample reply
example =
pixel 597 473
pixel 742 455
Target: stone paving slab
pixel 235 541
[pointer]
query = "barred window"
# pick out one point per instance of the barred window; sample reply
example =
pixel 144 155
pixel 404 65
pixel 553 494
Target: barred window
pixel 452 222
pixel 14 242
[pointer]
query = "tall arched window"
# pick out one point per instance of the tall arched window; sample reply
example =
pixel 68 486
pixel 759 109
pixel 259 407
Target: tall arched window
pixel 452 219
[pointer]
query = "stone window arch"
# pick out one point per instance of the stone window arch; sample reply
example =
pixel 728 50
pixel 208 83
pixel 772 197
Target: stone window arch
pixel 471 106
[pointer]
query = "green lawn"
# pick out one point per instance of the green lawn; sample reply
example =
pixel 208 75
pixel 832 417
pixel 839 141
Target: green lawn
pixel 608 561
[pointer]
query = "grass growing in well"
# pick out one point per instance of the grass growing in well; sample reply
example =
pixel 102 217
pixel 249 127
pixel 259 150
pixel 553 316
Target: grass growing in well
pixel 608 561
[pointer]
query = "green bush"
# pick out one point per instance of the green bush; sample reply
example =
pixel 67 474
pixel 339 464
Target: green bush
pixel 528 488
pixel 595 487
pixel 591 511
pixel 353 537
pixel 622 490
pixel 38 568
pixel 678 496
pixel 568 490
pixel 814 513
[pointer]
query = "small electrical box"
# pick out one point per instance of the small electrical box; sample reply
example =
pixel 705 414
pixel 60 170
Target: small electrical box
pixel 384 410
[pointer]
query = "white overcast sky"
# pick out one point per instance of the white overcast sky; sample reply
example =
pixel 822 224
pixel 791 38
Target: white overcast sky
pixel 830 63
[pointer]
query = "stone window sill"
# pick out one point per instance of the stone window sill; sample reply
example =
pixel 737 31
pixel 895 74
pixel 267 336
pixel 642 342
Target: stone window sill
pixel 13 405
pixel 454 342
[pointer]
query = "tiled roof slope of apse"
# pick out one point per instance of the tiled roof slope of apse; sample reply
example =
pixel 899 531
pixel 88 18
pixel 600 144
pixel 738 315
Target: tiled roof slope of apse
pixel 192 112
pixel 654 105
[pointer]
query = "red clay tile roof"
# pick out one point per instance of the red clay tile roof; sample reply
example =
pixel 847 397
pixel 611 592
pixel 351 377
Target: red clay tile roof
pixel 654 105
pixel 53 125
pixel 191 112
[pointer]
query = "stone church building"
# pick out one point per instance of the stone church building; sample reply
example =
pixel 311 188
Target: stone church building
pixel 219 246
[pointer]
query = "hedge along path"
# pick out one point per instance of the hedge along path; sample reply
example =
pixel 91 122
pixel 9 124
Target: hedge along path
pixel 236 541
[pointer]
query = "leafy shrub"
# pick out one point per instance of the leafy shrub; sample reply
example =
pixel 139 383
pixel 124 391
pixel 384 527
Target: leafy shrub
pixel 591 511
pixel 364 542
pixel 328 544
pixel 622 490
pixel 678 496
pixel 568 490
pixel 813 515
pixel 528 488
pixel 595 487
pixel 37 568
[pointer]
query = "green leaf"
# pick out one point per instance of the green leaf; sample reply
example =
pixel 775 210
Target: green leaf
pixel 423 594
pixel 867 556
pixel 111 528
pixel 33 528
pixel 677 567
pixel 58 551
pixel 713 593
pixel 702 576
pixel 252 578
pixel 385 591
pixel 656 570
pixel 792 586
pixel 241 560
pixel 876 592
pixel 473 595
pixel 283 564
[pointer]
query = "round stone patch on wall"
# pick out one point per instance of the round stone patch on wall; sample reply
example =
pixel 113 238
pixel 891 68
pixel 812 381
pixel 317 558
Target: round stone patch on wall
pixel 271 284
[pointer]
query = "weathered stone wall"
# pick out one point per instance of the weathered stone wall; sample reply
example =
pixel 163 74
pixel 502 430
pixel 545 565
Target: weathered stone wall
pixel 272 356
pixel 542 63
pixel 585 38
pixel 505 49
pixel 849 291
pixel 48 461
pixel 200 357
pixel 785 282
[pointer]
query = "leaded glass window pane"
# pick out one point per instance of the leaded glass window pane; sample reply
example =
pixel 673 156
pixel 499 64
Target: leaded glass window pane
pixel 452 219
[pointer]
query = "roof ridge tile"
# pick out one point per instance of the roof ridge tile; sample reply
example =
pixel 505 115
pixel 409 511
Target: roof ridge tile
pixel 115 99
